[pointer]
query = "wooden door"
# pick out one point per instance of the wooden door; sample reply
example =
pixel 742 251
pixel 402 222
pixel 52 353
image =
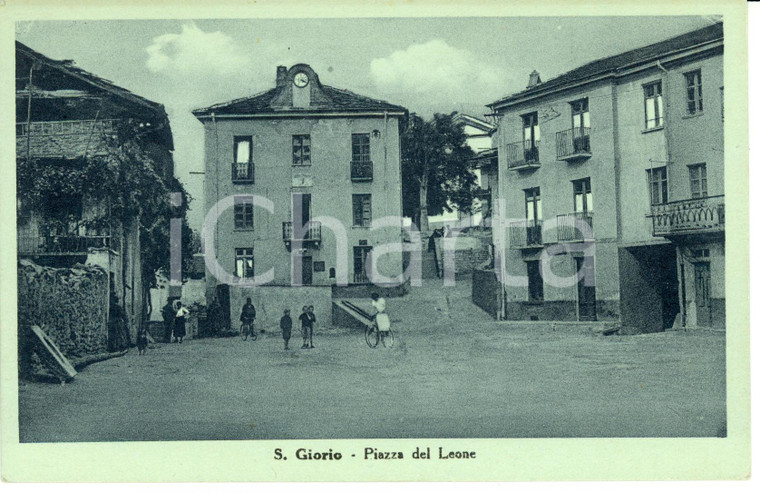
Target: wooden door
pixel 306 270
pixel 586 289
pixel 702 293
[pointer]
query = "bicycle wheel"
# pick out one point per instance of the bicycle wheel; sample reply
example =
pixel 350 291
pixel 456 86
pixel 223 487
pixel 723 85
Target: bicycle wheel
pixel 254 335
pixel 388 338
pixel 372 336
pixel 244 332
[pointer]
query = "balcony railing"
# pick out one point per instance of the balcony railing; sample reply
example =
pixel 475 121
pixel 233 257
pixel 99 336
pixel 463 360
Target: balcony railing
pixel 361 277
pixel 361 170
pixel 65 138
pixel 575 226
pixel 523 155
pixel 526 234
pixel 574 143
pixel 310 235
pixel 65 127
pixel 242 172
pixel 702 215
pixel 61 245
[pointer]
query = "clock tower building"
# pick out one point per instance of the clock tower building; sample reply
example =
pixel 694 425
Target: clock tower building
pixel 295 177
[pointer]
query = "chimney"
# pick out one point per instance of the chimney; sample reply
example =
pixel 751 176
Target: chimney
pixel 534 79
pixel 282 72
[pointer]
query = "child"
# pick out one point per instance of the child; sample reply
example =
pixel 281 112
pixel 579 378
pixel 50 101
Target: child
pixel 142 342
pixel 305 326
pixel 286 324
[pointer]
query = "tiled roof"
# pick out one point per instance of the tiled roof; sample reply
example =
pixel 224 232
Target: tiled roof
pixel 339 100
pixel 68 67
pixel 613 63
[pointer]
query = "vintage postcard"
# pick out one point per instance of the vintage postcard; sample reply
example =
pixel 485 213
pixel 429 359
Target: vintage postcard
pixel 419 241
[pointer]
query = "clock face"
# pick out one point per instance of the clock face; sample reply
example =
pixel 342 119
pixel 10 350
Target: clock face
pixel 301 79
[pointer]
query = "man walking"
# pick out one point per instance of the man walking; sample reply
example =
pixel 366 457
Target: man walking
pixel 305 326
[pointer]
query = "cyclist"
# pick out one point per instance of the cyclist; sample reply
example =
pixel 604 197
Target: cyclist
pixel 382 322
pixel 248 315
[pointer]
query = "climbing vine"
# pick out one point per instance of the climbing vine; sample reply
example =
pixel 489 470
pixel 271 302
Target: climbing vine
pixel 126 180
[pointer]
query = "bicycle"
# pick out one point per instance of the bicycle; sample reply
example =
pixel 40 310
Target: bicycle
pixel 374 336
pixel 246 329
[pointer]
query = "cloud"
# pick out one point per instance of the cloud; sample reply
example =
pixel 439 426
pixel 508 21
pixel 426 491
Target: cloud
pixel 195 52
pixel 437 72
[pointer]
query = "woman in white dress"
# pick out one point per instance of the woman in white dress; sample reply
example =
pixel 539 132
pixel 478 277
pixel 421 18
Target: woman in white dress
pixel 382 321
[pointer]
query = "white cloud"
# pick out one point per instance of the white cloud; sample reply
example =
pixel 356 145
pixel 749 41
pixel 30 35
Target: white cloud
pixel 436 70
pixel 195 52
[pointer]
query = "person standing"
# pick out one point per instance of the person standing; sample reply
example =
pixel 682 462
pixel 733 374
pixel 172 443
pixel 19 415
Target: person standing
pixel 286 325
pixel 248 315
pixel 167 313
pixel 313 319
pixel 179 322
pixel 305 326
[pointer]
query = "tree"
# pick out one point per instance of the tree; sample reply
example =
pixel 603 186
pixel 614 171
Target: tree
pixel 436 168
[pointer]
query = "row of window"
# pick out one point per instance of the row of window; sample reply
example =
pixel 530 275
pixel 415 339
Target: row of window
pixel 582 199
pixel 301 149
pixel 580 119
pixel 361 204
pixel 653 108
pixel 658 183
pixel 244 261
pixel 658 190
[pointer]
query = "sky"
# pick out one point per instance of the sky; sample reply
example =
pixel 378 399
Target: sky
pixel 425 64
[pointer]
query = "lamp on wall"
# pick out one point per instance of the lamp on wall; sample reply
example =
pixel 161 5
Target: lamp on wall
pixel 376 134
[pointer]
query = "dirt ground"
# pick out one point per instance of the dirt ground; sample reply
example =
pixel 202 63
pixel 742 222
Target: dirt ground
pixel 453 373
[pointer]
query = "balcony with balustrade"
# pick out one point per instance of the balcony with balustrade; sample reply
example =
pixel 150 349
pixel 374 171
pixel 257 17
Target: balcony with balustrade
pixel 574 144
pixel 361 171
pixel 692 216
pixel 522 155
pixel 65 138
pixel 526 234
pixel 307 236
pixel 575 227
pixel 61 245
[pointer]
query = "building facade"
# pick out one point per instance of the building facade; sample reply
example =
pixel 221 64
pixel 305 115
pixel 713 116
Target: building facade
pixel 67 119
pixel 326 161
pixel 616 169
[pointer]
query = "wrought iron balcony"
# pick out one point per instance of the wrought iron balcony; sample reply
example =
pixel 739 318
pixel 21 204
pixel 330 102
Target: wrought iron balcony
pixel 61 245
pixel 242 172
pixel 526 234
pixel 307 235
pixel 523 155
pixel 702 215
pixel 575 226
pixel 361 277
pixel 361 170
pixel 574 144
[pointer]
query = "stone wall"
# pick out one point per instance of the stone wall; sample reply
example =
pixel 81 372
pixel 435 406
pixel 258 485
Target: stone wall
pixel 485 291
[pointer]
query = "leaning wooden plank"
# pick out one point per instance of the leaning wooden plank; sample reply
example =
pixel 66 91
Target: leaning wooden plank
pixel 52 356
